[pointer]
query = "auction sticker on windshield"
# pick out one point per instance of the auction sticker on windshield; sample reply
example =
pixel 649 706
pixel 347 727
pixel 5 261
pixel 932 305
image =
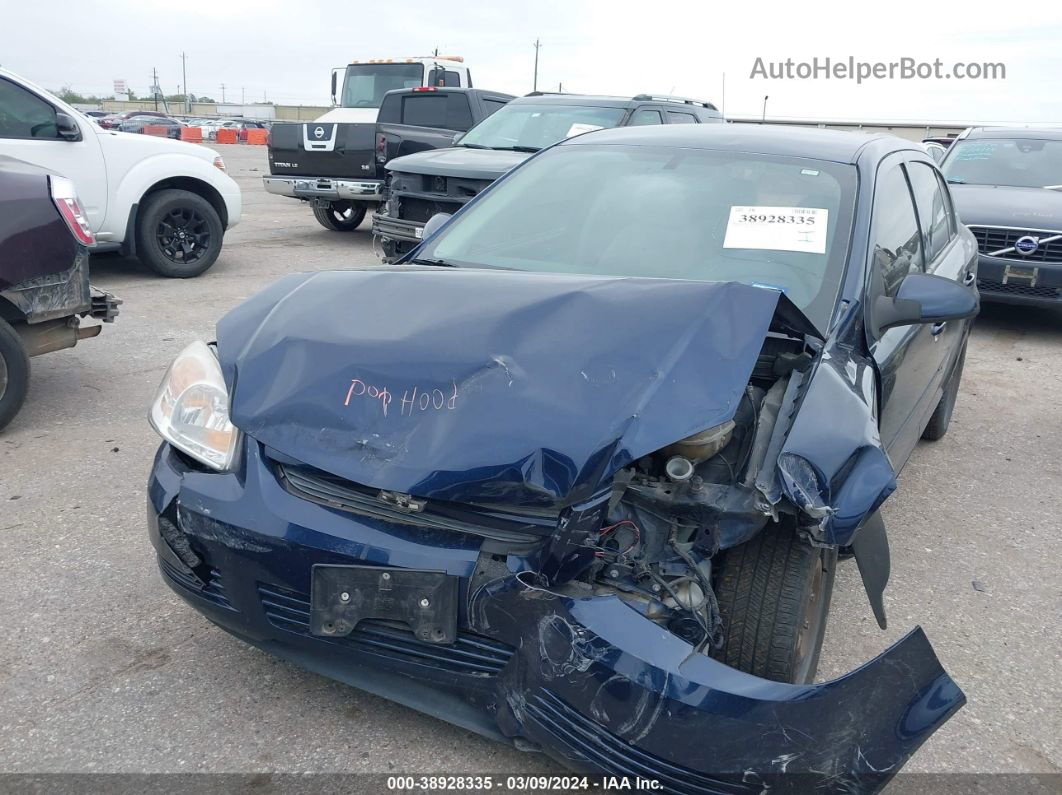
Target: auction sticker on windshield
pixel 777 228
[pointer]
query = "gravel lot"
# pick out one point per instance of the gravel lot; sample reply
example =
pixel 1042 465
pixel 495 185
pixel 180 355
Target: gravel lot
pixel 103 668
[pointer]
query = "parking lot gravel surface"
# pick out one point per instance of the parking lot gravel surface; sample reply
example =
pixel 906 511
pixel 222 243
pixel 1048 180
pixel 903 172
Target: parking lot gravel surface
pixel 104 669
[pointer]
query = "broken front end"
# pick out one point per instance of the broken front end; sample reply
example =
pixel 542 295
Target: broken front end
pixel 621 555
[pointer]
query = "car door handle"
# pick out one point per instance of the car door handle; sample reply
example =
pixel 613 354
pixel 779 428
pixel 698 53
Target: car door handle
pixel 938 327
pixel 969 279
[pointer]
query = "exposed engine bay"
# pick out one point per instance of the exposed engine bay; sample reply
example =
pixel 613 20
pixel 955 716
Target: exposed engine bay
pixel 675 510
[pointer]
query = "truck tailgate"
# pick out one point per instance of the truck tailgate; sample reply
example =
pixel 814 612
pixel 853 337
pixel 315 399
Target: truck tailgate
pixel 320 149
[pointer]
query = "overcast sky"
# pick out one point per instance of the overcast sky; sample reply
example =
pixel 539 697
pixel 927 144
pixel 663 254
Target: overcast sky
pixel 284 49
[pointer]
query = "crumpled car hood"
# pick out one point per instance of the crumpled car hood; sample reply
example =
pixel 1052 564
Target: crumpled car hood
pixel 487 386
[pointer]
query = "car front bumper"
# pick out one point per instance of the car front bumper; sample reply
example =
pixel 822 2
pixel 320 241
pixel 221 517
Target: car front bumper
pixel 325 188
pixel 584 678
pixel 1019 281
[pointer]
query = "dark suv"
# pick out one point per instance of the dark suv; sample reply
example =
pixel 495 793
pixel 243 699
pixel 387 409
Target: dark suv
pixel 442 181
pixel 44 275
pixel 1006 184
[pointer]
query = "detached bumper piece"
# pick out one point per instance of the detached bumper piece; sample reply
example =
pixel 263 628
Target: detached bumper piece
pixel 587 679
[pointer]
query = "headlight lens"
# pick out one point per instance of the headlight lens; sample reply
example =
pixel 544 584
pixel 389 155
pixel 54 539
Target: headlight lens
pixel 191 409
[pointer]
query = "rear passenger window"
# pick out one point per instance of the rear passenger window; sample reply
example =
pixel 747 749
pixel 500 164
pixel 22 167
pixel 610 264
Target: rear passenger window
pixel 25 115
pixel 897 240
pixel 645 116
pixel 932 208
pixel 678 117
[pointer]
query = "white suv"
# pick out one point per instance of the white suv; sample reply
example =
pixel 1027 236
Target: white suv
pixel 166 202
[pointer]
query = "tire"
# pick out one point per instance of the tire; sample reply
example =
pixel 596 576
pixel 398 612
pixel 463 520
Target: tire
pixel 14 373
pixel 341 216
pixel 941 419
pixel 167 215
pixel 774 596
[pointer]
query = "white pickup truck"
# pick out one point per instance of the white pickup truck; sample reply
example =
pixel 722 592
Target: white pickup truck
pixel 168 203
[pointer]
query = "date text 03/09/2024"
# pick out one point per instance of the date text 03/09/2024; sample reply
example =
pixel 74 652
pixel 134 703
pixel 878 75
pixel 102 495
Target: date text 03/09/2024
pixel 520 783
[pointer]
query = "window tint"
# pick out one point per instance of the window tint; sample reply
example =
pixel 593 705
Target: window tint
pixel 932 213
pixel 897 241
pixel 645 116
pixel 444 111
pixel 25 115
pixel 678 117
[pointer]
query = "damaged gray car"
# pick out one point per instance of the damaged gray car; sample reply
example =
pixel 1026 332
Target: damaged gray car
pixel 576 474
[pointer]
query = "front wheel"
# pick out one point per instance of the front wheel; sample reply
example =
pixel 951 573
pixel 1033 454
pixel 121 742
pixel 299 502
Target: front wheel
pixel 341 216
pixel 774 596
pixel 178 233
pixel 14 373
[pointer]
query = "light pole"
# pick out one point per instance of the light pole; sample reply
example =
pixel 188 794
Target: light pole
pixel 184 78
pixel 534 83
pixel 764 117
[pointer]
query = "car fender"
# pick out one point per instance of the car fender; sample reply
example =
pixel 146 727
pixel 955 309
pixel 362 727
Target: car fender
pixel 833 466
pixel 130 184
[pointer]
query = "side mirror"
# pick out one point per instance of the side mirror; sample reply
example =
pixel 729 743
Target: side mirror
pixel 434 223
pixel 67 127
pixel 925 298
pixel 333 86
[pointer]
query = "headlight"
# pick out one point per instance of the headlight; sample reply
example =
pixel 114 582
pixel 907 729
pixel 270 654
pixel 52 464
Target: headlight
pixel 191 409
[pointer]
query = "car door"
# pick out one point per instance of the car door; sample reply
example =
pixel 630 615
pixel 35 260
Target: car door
pixel 907 357
pixel 945 256
pixel 28 132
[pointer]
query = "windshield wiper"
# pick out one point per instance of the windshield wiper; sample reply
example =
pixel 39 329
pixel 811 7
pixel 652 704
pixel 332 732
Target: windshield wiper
pixel 517 148
pixel 436 262
pixel 954 181
pixel 474 146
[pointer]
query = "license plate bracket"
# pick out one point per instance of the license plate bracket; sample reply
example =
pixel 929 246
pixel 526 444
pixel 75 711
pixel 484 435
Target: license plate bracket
pixel 343 596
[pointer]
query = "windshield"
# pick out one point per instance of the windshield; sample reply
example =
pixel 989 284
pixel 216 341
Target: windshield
pixel 536 126
pixel 668 213
pixel 1020 162
pixel 365 84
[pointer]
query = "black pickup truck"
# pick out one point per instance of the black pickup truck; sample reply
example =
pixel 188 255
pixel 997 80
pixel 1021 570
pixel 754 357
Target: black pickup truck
pixel 339 167
pixel 44 275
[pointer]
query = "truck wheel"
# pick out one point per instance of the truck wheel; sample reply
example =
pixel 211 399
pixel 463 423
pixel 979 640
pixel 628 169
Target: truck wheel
pixel 941 419
pixel 178 233
pixel 14 373
pixel 774 595
pixel 342 216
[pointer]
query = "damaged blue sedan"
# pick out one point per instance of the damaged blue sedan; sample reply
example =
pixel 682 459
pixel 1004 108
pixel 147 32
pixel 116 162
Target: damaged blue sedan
pixel 576 474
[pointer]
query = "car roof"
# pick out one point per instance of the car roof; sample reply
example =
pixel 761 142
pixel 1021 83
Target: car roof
pixel 811 142
pixel 1043 133
pixel 605 101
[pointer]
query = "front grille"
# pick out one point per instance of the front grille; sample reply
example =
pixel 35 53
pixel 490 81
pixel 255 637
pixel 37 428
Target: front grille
pixel 612 754
pixel 991 239
pixel 472 654
pixel 1016 288
pixel 214 591
pixel 335 492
